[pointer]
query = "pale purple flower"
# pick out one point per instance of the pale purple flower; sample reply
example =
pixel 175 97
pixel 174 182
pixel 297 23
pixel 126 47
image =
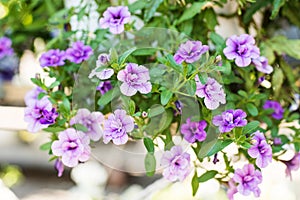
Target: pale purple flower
pixel 32 95
pixel 5 47
pixel 117 126
pixel 230 119
pixel 241 48
pixel 292 165
pixel 135 78
pixel 190 52
pixel 194 131
pixel 114 18
pixel 232 190
pixel 103 74
pixel 104 86
pixel 72 146
pixel 91 120
pixel 248 179
pixel 39 114
pixel 211 91
pixel 262 65
pixel 59 166
pixel 278 110
pixel 79 52
pixel 277 141
pixel 103 59
pixel 260 150
pixel 53 58
pixel 261 79
pixel 177 164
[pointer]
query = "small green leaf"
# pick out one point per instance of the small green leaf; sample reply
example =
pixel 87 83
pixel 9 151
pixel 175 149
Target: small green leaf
pixel 191 87
pixel 80 127
pixel 151 9
pixel 220 145
pixel 41 95
pixel 107 97
pixel 165 97
pixel 243 93
pixel 46 146
pixel 191 11
pixel 195 183
pixel 131 107
pixel 252 109
pixel 125 55
pixel 150 164
pixel 155 110
pixel 203 77
pixel 277 4
pixel 207 176
pixel 137 5
pixel 211 18
pixel 149 145
pixel 250 127
pixel 173 64
pixel 54 84
pixel 53 129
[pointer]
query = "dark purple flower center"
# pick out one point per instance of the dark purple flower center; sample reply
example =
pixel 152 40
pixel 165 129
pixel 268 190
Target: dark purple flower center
pixel 229 118
pixel 131 78
pixel 247 179
pixel 262 148
pixel 78 53
pixel 242 49
pixel 48 117
pixel 72 145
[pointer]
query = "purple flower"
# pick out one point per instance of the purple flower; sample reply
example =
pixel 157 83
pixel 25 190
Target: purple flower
pixel 117 126
pixel 260 150
pixel 135 78
pixel 194 131
pixel 102 60
pixel 292 165
pixel 230 119
pixel 5 47
pixel 32 95
pixel 114 18
pixel 179 106
pixel 177 164
pixel 104 86
pixel 39 114
pixel 79 52
pixel 248 179
pixel 232 189
pixel 92 121
pixel 72 146
pixel 261 64
pixel 241 48
pixel 278 110
pixel 52 58
pixel 261 79
pixel 59 166
pixel 212 92
pixel 190 52
pixel 103 74
pixel 277 141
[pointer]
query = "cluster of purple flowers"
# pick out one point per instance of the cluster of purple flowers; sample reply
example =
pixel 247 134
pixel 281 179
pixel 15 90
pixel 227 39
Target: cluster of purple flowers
pixel 5 47
pixel 260 150
pixel 211 91
pixel 230 119
pixel 278 110
pixel 115 18
pixel 245 181
pixel 243 50
pixel 190 52
pixel 194 131
pixel 177 164
pixel 77 54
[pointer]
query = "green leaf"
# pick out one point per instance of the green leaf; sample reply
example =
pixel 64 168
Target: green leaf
pixel 203 77
pixel 243 93
pixel 165 97
pixel 211 18
pixel 191 11
pixel 277 4
pixel 277 81
pixel 145 51
pixel 54 129
pixel 191 87
pixel 216 38
pixel 195 183
pixel 252 109
pixel 138 5
pixel 173 64
pixel 156 110
pixel 125 55
pixel 54 84
pixel 207 176
pixel 150 164
pixel 41 95
pixel 250 127
pixel 46 146
pixel 131 109
pixel 151 9
pixel 220 145
pixel 107 97
pixel 80 127
pixel 149 145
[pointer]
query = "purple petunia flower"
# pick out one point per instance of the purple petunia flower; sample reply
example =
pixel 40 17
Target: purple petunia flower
pixel 230 119
pixel 179 106
pixel 292 165
pixel 241 48
pixel 177 164
pixel 53 58
pixel 104 86
pixel 114 18
pixel 277 141
pixel 194 131
pixel 212 92
pixel 103 59
pixel 92 121
pixel 32 95
pixel 72 146
pixel 248 179
pixel 190 52
pixel 39 114
pixel 5 47
pixel 135 78
pixel 278 110
pixel 117 126
pixel 260 150
pixel 103 74
pixel 231 189
pixel 59 166
pixel 79 52
pixel 261 64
